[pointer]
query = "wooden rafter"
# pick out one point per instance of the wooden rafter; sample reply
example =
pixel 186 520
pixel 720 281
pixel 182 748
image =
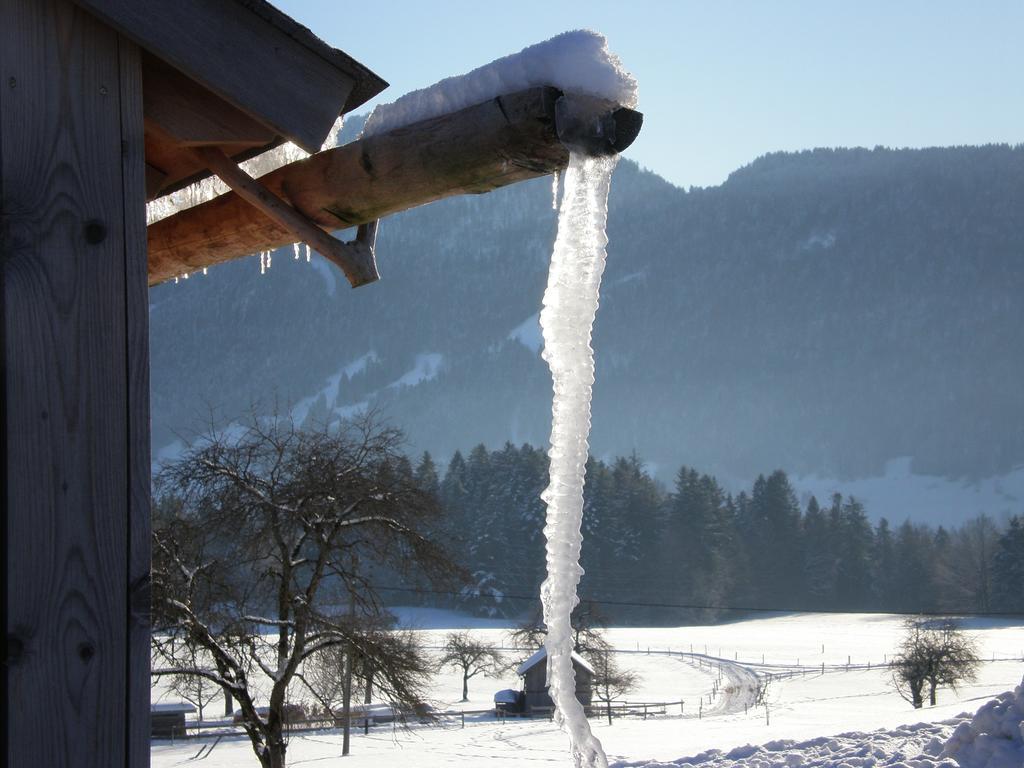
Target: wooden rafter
pixel 355 259
pixel 499 142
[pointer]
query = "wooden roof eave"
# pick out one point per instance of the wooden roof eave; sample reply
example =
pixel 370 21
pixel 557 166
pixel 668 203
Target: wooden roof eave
pixel 504 140
pixel 252 56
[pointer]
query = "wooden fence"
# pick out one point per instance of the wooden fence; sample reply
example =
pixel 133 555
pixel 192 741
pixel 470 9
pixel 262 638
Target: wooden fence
pixel 444 719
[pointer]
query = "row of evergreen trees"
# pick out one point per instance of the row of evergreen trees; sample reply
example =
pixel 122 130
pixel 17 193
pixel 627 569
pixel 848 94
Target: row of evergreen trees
pixel 699 553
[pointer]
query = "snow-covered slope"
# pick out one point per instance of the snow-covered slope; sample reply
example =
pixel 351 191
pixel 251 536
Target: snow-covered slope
pixel 848 715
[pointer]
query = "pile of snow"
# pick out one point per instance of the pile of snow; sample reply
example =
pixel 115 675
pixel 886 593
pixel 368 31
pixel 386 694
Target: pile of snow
pixel 910 746
pixel 994 738
pixel 576 62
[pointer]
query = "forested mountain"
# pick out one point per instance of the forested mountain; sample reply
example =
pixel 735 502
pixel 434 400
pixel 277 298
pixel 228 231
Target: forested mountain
pixel 692 551
pixel 825 311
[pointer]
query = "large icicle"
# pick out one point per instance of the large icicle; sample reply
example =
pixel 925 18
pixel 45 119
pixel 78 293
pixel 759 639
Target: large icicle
pixel 570 303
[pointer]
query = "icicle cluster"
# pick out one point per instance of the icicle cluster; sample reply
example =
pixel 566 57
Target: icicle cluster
pixel 570 304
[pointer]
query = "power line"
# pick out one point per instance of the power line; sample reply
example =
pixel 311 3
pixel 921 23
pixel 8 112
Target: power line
pixel 706 607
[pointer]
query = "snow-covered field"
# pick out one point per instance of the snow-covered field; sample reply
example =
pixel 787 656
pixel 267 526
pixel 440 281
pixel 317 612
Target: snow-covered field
pixel 808 710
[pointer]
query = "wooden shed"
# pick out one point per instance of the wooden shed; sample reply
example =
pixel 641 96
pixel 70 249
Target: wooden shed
pixel 105 104
pixel 167 720
pixel 534 672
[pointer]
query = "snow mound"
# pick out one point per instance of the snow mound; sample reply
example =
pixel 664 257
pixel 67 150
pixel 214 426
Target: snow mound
pixel 994 738
pixel 576 62
pixel 909 746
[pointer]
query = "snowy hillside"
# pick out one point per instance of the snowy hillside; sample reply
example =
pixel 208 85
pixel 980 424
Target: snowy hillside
pixel 814 717
pixel 826 312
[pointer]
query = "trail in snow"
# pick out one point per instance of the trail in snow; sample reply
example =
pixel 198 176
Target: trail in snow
pixel 570 304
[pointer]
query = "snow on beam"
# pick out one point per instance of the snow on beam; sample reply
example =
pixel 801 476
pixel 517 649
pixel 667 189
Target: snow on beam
pixel 502 141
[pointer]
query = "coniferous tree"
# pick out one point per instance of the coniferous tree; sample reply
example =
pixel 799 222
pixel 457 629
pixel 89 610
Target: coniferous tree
pixel 819 558
pixel 912 585
pixel 1008 568
pixel 773 543
pixel 884 567
pixel 854 541
pixel 426 474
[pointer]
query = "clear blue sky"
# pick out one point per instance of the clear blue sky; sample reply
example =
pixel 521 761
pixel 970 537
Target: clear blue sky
pixel 724 82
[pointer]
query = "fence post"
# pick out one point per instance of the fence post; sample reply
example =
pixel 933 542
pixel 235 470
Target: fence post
pixel 463 714
pixel 700 712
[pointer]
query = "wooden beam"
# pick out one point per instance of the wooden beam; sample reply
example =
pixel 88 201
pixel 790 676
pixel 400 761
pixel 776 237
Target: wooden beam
pixel 357 263
pixel 73 357
pixel 478 149
pixel 270 71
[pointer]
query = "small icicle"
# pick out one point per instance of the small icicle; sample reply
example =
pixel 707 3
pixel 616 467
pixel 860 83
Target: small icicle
pixel 295 247
pixel 270 258
pixel 307 252
pixel 554 191
pixel 175 281
pixel 263 263
pixel 185 275
pixel 204 270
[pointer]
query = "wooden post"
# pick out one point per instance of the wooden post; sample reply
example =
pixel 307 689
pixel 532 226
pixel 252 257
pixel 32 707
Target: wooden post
pixel 74 390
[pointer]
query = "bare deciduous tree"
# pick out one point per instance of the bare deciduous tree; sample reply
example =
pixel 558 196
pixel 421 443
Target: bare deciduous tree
pixel 588 625
pixel 256 540
pixel 934 652
pixel 196 690
pixel 610 681
pixel 397 672
pixel 471 657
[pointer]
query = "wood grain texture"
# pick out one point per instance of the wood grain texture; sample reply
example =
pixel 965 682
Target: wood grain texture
pixel 133 183
pixel 66 369
pixel 356 262
pixel 193 115
pixel 478 149
pixel 242 57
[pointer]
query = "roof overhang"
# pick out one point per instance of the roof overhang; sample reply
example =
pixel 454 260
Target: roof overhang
pixel 239 75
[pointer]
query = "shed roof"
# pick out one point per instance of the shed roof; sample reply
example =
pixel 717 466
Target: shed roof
pixel 543 654
pixel 235 74
pixel 172 708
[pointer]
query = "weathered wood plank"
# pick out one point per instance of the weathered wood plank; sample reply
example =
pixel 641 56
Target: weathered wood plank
pixel 356 262
pixel 240 56
pixel 478 149
pixel 192 115
pixel 66 496
pixel 133 182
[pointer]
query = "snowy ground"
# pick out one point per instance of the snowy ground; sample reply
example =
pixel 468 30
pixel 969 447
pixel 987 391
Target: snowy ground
pixel 808 711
